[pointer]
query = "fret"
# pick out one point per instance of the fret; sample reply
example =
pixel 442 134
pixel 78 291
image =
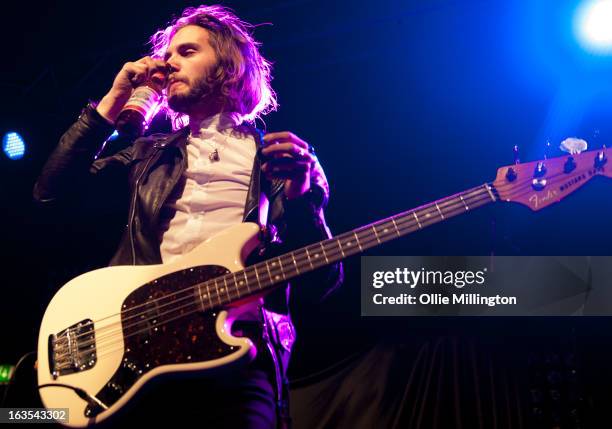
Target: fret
pixel 257 276
pixel 395 226
pixel 308 254
pixel 439 211
pixel 209 297
pixel 226 288
pixel 218 294
pixel 269 273
pixel 295 263
pixel 488 188
pixel 376 233
pixel 201 299
pixel 280 264
pixel 417 220
pixel 323 249
pixel 340 245
pixel 236 284
pixel 246 281
pixel 272 279
pixel 357 238
pixel 464 203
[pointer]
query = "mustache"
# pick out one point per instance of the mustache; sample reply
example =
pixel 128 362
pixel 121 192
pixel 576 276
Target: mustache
pixel 174 80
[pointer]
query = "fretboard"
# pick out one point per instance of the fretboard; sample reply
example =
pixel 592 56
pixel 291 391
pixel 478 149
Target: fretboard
pixel 262 276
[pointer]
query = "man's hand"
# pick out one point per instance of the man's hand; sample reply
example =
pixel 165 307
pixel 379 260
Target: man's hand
pixel 288 158
pixel 131 75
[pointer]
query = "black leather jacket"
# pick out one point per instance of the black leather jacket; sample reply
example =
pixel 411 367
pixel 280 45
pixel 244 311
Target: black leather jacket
pixel 154 165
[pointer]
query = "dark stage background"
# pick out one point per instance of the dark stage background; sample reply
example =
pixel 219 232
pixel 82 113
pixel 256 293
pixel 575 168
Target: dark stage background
pixel 406 102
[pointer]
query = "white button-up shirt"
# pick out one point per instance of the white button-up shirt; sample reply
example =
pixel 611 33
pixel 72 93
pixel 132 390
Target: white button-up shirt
pixel 214 192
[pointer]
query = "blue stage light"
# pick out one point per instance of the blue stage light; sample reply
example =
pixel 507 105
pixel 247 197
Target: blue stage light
pixel 13 145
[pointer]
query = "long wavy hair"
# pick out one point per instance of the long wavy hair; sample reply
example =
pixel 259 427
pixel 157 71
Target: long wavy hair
pixel 243 75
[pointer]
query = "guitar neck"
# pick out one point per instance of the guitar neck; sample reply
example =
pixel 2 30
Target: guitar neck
pixel 267 274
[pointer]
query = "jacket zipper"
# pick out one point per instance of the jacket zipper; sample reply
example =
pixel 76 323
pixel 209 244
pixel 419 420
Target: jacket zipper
pixel 133 210
pixel 175 180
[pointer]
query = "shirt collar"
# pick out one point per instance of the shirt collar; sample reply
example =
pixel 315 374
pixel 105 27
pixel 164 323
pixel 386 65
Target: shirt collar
pixel 219 122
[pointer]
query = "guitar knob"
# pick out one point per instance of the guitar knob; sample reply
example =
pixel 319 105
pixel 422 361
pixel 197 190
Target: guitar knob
pixel 570 165
pixel 540 170
pixel 600 160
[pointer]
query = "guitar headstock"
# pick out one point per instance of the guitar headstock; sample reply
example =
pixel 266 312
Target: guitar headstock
pixel 539 184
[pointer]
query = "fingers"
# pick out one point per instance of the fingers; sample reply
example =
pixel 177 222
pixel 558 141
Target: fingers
pixel 284 136
pixel 146 68
pixel 285 144
pixel 285 169
pixel 287 157
pixel 288 150
pixel 155 65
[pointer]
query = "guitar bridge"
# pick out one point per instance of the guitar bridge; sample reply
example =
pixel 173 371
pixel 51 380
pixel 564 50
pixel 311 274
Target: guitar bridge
pixel 73 349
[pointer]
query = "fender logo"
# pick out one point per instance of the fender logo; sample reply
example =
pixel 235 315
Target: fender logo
pixel 537 200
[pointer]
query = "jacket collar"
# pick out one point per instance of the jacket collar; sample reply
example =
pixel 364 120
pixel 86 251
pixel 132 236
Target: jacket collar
pixel 255 198
pixel 177 138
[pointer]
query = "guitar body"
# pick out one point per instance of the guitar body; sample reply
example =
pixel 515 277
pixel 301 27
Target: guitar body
pixel 101 331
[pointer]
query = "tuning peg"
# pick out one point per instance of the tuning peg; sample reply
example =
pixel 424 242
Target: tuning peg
pixel 540 170
pixel 511 174
pixel 570 165
pixel 539 182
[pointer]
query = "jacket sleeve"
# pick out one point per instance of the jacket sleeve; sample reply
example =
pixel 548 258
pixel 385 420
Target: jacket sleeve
pixel 72 163
pixel 301 222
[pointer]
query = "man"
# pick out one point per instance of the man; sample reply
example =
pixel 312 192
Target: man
pixel 192 184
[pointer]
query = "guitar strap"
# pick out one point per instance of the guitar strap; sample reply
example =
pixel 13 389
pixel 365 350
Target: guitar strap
pixel 269 328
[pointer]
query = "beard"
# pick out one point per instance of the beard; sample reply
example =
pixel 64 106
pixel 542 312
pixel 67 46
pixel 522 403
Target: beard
pixel 183 101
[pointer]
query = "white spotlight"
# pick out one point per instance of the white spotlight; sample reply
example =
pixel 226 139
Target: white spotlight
pixel 594 26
